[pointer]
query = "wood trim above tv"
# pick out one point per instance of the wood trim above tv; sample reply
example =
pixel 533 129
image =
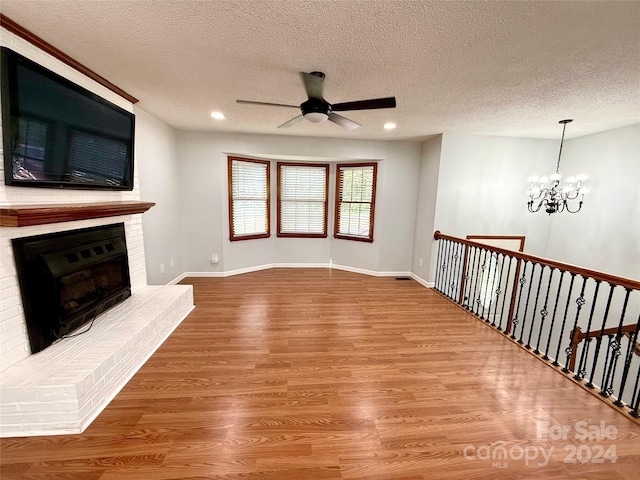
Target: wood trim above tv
pixel 32 38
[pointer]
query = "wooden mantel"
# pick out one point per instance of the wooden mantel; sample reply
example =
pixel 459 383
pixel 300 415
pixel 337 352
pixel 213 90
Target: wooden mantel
pixel 27 215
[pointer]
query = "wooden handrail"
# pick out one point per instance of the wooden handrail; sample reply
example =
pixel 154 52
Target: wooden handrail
pixel 607 331
pixel 605 277
pixel 534 298
pixel 578 336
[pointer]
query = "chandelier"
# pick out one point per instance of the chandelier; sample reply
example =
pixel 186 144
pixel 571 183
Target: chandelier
pixel 546 191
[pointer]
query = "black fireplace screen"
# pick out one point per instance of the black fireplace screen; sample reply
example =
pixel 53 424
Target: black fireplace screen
pixel 68 278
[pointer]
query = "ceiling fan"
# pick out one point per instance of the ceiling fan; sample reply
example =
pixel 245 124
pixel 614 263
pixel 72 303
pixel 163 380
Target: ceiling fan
pixel 316 109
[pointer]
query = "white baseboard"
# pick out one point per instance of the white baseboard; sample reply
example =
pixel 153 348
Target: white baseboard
pixel 372 273
pixel 240 271
pixel 267 266
pixel 228 273
pixel 301 265
pixel 176 280
pixel 422 281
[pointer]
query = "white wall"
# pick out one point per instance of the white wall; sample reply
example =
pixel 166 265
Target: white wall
pixel 605 234
pixel 426 206
pixel 158 172
pixel 481 189
pixel 204 203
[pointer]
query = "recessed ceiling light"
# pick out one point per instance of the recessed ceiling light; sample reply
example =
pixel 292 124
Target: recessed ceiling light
pixel 217 115
pixel 390 126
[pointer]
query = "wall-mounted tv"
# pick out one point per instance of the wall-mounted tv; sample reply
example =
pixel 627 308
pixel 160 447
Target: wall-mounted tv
pixel 57 134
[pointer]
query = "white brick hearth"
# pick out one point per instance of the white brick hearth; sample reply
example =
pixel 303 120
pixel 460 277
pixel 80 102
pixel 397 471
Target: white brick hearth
pixel 64 387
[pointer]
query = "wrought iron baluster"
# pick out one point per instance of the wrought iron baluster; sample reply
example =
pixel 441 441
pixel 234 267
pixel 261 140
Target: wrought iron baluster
pixel 582 371
pixel 447 285
pixel 627 364
pixel 486 286
pixel 464 274
pixel 479 273
pixel 512 304
pixel 535 309
pixel 599 339
pixel 580 301
pixel 526 305
pixel 504 298
pixel 455 282
pixel 498 290
pixel 553 317
pixel 446 267
pixel 474 277
pixel 469 279
pixel 450 268
pixel 544 312
pixel 635 399
pixel 585 353
pixel 522 282
pixel 437 280
pixel 606 362
pixel 564 320
pixel 616 347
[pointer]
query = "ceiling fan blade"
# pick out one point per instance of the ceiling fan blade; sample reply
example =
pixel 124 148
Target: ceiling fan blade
pixel 343 121
pixel 313 84
pixel 386 102
pixel 251 102
pixel 291 122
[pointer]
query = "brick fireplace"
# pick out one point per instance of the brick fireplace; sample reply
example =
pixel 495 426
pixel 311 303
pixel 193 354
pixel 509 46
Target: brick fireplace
pixel 68 278
pixel 63 387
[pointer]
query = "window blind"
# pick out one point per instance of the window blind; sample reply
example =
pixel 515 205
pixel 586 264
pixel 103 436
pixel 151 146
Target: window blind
pixel 302 200
pixel 355 205
pixel 88 152
pixel 28 152
pixel 249 191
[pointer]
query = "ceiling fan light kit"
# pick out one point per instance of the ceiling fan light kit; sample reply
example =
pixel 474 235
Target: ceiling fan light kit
pixel 317 110
pixel 316 117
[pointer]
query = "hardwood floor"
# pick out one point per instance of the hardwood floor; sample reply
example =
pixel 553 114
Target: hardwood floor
pixel 323 374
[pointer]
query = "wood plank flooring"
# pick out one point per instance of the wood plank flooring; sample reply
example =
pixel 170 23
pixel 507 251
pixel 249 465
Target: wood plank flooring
pixel 323 374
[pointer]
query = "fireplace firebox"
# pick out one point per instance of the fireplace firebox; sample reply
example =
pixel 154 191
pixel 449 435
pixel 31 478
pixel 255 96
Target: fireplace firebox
pixel 68 278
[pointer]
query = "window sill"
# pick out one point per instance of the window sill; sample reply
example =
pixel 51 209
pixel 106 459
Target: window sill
pixel 249 237
pixel 356 239
pixel 302 235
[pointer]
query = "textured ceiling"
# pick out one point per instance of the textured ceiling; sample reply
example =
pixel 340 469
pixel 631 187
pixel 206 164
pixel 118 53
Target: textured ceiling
pixel 498 68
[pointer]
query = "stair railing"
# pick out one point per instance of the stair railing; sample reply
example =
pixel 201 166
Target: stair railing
pixel 581 321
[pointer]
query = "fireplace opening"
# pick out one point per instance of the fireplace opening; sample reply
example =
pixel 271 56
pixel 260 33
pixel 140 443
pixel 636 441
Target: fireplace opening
pixel 68 278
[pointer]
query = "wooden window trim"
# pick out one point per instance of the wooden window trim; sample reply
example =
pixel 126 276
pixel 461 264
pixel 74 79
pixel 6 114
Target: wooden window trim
pixel 373 202
pixel 232 237
pixel 326 200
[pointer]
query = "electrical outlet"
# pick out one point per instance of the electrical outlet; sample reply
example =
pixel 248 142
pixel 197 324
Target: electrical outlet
pixel 214 259
pixel 162 268
pixel 171 263
pixel 419 262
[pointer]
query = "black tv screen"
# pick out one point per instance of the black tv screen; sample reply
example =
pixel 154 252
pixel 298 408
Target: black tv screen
pixel 58 134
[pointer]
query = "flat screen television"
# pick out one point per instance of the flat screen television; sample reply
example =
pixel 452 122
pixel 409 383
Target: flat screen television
pixel 57 134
